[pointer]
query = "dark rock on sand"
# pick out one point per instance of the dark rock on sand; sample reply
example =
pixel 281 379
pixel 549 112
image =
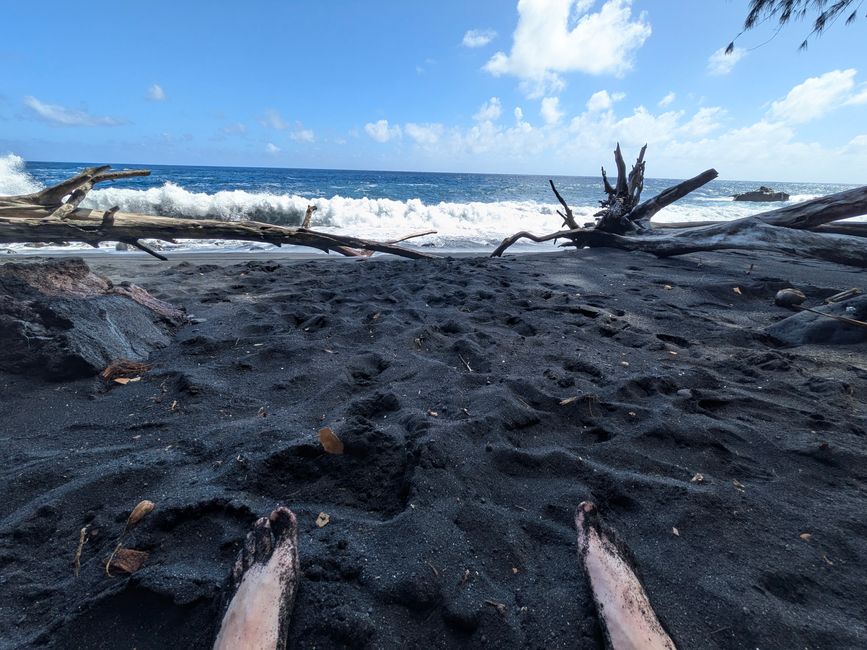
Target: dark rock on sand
pixel 809 327
pixel 762 194
pixel 61 321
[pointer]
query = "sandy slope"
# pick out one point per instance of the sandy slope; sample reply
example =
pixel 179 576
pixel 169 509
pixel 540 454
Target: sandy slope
pixel 445 381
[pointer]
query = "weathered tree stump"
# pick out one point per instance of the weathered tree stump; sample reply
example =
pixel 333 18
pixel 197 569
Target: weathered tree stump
pixel 59 320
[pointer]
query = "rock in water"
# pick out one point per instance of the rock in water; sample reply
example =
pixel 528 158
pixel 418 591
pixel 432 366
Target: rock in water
pixel 762 194
pixel 59 320
pixel 808 327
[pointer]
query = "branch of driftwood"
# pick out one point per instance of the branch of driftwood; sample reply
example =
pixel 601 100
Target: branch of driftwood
pixel 809 229
pixel 45 217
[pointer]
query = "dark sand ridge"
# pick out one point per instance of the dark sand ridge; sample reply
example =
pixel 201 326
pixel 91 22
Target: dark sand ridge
pixel 431 515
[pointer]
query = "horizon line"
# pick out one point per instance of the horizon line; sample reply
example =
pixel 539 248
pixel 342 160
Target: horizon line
pixel 399 171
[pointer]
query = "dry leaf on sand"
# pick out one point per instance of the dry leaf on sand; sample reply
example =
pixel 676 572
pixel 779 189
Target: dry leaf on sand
pixel 124 368
pixel 142 510
pixel 82 538
pixel 330 442
pixel 127 560
pixel 500 607
pixel 123 381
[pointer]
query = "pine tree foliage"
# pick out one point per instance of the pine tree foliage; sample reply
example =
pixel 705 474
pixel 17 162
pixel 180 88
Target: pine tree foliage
pixel 823 13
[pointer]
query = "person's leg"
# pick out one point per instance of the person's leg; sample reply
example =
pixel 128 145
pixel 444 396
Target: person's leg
pixel 263 583
pixel 628 620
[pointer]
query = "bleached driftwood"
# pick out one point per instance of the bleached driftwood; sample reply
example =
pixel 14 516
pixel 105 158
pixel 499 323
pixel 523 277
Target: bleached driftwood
pixel 44 217
pixel 808 229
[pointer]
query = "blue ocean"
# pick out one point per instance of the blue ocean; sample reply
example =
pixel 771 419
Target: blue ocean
pixel 467 211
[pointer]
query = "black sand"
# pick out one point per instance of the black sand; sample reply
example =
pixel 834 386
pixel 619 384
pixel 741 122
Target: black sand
pixel 462 468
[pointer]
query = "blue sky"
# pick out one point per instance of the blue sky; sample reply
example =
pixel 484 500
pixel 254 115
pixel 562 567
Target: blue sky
pixel 536 86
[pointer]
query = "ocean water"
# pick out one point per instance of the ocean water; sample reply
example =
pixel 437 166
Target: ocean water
pixel 468 211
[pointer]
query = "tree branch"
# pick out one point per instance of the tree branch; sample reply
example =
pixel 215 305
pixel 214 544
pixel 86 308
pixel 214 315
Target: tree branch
pixel 568 219
pixel 641 215
pixel 43 217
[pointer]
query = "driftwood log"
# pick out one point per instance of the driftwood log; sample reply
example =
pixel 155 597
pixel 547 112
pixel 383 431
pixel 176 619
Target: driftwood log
pixel 808 229
pixel 45 217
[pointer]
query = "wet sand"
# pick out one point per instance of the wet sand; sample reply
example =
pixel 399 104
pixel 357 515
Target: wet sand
pixel 479 402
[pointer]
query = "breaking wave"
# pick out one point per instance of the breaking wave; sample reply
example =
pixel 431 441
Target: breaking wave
pixel 473 222
pixel 459 225
pixel 14 178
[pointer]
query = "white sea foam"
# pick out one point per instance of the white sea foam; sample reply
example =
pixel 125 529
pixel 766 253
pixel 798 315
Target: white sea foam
pixel 471 225
pixel 13 177
pixel 474 222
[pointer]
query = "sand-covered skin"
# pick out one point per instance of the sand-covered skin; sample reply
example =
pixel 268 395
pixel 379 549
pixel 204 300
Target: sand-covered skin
pixel 262 586
pixel 444 379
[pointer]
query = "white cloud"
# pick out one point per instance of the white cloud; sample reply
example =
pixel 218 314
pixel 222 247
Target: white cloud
pixel 550 110
pixel 642 127
pixel 156 93
pixel 667 100
pixel 682 143
pixel 381 131
pixel 63 116
pixel 602 100
pixel 303 135
pixel 490 111
pixel 557 36
pixel 428 63
pixel 478 37
pixel 815 97
pixel 272 148
pixel 237 128
pixel 719 63
pixel 272 120
pixel 705 121
pixel 424 134
pixel 857 145
pixel 859 98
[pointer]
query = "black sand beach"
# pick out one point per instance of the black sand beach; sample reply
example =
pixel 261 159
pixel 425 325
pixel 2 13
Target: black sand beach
pixel 480 401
